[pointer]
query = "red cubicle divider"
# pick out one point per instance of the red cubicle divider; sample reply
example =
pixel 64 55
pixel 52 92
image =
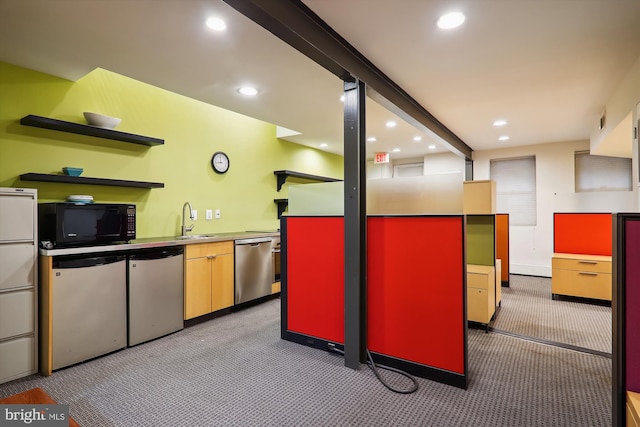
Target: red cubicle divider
pixel 314 263
pixel 415 290
pixel 416 295
pixel 582 233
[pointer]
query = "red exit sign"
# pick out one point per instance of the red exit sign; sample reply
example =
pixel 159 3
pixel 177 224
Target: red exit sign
pixel 381 158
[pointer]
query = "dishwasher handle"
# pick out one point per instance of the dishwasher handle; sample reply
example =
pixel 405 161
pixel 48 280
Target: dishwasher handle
pixel 253 242
pixel 85 261
pixel 158 253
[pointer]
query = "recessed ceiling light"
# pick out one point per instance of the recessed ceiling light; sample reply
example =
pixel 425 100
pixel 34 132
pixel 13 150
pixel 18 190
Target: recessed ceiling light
pixel 451 20
pixel 324 144
pixel 417 138
pixel 372 139
pixel 396 150
pixel 432 147
pixel 216 24
pixel 248 90
pixel 504 138
pixel 500 122
pixel 391 124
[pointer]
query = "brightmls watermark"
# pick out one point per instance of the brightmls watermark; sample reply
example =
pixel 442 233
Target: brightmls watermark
pixel 55 415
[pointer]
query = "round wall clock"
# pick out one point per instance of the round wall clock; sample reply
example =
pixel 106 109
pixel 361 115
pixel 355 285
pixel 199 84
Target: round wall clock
pixel 220 162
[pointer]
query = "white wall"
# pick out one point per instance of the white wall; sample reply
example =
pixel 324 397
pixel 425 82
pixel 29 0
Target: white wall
pixel 531 247
pixel 621 102
pixel 443 163
pixel 434 164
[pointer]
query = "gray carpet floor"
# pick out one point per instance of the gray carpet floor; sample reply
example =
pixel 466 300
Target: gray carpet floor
pixel 236 371
pixel 528 309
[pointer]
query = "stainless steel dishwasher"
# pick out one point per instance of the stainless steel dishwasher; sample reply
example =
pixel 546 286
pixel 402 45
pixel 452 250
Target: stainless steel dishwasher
pixel 253 269
pixel 89 307
pixel 156 293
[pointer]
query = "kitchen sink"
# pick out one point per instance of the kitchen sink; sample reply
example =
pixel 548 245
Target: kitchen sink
pixel 196 236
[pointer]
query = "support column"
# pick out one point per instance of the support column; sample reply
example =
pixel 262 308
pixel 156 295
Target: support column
pixel 355 224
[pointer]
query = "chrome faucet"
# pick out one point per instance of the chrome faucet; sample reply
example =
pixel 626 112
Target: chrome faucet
pixel 184 227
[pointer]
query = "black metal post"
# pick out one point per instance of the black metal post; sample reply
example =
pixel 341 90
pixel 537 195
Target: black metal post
pixel 355 224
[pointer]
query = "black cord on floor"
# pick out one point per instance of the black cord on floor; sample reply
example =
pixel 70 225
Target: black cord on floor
pixel 374 368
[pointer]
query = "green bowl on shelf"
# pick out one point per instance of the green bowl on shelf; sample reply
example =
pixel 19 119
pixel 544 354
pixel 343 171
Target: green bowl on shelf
pixel 72 171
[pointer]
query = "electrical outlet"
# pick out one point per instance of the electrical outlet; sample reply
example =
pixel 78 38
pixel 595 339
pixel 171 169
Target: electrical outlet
pixel 209 214
pixel 217 213
pixel 194 214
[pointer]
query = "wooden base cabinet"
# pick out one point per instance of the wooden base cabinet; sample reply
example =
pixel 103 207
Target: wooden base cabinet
pixel 481 294
pixel 585 276
pixel 275 288
pixel 208 278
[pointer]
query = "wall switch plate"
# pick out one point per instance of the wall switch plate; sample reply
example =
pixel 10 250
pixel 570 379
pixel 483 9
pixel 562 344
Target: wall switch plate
pixel 194 214
pixel 209 214
pixel 217 213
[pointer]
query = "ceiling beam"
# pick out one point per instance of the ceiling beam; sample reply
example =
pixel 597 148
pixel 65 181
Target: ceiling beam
pixel 297 25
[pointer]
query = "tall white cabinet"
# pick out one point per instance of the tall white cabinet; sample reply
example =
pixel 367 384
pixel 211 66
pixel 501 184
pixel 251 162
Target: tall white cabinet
pixel 18 283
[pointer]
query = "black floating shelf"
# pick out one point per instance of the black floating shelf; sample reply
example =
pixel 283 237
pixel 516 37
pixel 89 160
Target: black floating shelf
pixel 82 129
pixel 282 176
pixel 66 179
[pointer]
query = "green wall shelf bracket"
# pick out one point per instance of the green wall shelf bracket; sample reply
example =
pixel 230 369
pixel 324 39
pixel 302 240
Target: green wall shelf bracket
pixel 66 179
pixel 82 129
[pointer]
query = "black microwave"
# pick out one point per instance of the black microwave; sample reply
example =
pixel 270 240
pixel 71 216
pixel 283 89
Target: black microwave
pixel 71 224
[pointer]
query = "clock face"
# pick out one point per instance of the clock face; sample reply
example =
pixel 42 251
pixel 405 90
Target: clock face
pixel 220 162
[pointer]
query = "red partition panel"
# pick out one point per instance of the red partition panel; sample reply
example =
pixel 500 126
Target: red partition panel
pixel 415 290
pixel 632 302
pixel 582 233
pixel 315 277
pixel 502 244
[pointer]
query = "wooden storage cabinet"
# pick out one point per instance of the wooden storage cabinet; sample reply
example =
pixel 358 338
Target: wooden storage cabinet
pixel 481 296
pixel 208 278
pixel 585 276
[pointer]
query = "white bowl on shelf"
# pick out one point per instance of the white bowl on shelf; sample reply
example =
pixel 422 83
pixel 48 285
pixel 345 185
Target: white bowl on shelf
pixel 101 121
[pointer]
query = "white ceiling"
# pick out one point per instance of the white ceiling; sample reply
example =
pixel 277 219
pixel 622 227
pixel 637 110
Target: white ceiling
pixel 546 66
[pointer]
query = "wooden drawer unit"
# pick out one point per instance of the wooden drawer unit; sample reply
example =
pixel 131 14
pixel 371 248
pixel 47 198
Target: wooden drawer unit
pixel 633 409
pixel 199 250
pixel 585 276
pixel 481 296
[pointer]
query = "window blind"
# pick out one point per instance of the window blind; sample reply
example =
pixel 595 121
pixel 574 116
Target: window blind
pixel 602 173
pixel 516 188
pixel 408 169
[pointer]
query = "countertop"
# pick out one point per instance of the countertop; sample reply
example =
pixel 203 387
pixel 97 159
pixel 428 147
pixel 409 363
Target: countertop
pixel 157 242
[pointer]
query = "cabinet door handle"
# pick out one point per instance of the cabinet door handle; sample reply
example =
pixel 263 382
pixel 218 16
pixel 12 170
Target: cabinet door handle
pixel 588 273
pixel 211 256
pixel 588 262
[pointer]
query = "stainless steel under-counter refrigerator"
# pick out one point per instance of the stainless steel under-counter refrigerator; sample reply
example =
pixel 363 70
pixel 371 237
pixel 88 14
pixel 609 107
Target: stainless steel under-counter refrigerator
pixel 156 293
pixel 89 303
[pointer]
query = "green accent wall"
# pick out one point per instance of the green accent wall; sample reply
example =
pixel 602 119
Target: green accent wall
pixel 481 239
pixel 192 131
